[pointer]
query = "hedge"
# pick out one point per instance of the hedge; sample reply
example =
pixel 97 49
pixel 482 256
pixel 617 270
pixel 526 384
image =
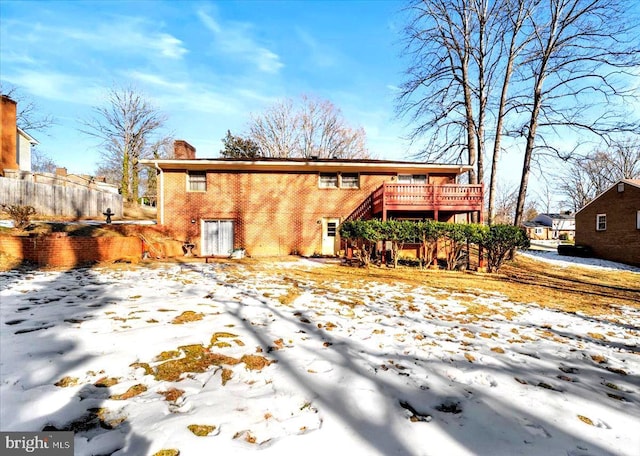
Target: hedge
pixel 497 240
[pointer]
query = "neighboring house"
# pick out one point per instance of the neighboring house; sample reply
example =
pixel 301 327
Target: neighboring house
pixel 271 206
pixel 15 143
pixel 610 224
pixel 23 152
pixel 551 226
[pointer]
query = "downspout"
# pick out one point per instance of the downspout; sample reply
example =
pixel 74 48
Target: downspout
pixel 160 193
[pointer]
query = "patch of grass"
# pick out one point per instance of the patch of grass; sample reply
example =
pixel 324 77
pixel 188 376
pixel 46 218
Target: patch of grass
pixel 290 296
pixel 584 419
pixel 523 281
pixel 172 394
pixel 201 430
pixel 66 382
pixel 106 382
pixel 215 339
pixel 186 317
pixel 169 354
pixel 196 359
pixel 108 419
pixel 135 390
pixel 255 362
pixel 145 366
pixel 167 452
pixel 227 374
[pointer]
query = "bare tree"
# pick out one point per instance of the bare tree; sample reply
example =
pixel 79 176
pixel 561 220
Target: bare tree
pixel 29 116
pixel 589 176
pixel 505 203
pixel 463 54
pixel 42 162
pixel 524 68
pixel 575 65
pixel 305 128
pixel 438 94
pixel 161 149
pixel 127 126
pixel 512 18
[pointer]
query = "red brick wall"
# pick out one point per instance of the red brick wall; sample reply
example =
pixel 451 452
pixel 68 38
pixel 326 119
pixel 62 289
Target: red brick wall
pixel 8 134
pixel 63 251
pixel 274 213
pixel 621 240
pixel 183 150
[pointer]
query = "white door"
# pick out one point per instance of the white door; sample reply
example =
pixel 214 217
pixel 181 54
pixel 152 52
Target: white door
pixel 217 237
pixel 330 238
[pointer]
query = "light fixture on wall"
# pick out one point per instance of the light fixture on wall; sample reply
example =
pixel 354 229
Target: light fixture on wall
pixel 193 220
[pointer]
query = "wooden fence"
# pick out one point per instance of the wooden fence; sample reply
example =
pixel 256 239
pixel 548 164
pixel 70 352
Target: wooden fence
pixel 70 201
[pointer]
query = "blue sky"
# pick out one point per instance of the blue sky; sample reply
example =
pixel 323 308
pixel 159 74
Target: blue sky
pixel 207 65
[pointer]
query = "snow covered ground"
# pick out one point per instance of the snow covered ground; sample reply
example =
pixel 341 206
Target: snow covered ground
pixel 217 359
pixel 565 261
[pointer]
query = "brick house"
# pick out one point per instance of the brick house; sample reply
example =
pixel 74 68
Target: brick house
pixel 610 224
pixel 551 226
pixel 15 143
pixel 272 206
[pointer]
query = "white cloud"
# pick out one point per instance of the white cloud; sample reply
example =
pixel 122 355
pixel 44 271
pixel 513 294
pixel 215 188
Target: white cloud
pixel 56 86
pixel 128 35
pixel 235 39
pixel 156 80
pixel 169 46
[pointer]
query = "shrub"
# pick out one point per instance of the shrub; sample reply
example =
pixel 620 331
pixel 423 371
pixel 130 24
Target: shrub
pixel 428 233
pixel 500 240
pixel 582 251
pixel 21 215
pixel 364 234
pixel 399 233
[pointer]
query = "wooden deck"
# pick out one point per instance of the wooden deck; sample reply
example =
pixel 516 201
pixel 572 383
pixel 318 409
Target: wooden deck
pixel 457 198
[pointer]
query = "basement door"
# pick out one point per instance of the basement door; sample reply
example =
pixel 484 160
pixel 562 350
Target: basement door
pixel 330 239
pixel 217 237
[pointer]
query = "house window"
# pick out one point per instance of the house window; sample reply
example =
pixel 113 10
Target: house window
pixel 197 181
pixel 539 231
pixel 331 229
pixel 328 180
pixel 349 180
pixel 601 222
pixel 412 178
pixel 638 220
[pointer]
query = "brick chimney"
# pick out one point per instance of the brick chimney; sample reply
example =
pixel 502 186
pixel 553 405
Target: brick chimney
pixel 8 135
pixel 62 172
pixel 182 150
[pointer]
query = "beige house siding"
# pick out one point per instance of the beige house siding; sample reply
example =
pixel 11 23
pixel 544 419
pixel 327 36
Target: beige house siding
pixel 24 152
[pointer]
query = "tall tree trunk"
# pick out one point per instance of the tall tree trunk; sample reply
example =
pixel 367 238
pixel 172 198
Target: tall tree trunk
pixel 493 179
pixel 124 182
pixel 135 179
pixel 528 153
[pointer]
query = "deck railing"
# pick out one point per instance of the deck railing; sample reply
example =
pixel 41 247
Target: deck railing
pixel 393 196
pixel 363 211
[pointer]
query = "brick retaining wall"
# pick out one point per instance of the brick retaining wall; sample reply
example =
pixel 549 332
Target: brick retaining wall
pixel 59 250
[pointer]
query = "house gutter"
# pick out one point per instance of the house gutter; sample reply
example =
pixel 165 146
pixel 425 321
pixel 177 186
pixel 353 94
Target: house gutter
pixel 305 166
pixel 161 193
